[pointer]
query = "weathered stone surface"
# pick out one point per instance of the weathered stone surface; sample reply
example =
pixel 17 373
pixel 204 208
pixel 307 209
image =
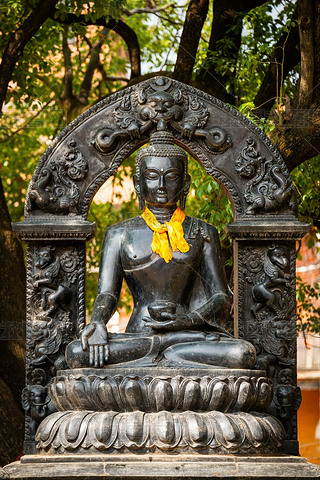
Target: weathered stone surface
pixel 161 467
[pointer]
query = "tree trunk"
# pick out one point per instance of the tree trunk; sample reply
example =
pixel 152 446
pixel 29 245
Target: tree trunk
pixel 12 426
pixel 12 332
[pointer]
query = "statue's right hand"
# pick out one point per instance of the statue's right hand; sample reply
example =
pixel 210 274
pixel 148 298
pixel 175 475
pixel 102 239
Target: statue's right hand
pixel 95 338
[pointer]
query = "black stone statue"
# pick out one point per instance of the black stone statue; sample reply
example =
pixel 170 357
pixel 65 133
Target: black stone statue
pixel 173 267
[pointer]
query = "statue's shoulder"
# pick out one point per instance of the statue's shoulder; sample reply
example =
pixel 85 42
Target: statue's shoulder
pixel 128 225
pixel 197 226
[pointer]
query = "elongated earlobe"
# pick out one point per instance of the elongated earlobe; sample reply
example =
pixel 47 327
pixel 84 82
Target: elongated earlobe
pixel 141 202
pixel 183 201
pixel 185 192
pixel 138 191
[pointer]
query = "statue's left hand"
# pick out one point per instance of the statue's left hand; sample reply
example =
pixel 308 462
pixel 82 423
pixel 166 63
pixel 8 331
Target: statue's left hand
pixel 171 321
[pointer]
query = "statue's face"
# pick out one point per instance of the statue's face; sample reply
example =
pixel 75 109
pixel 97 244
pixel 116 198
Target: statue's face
pixel 161 180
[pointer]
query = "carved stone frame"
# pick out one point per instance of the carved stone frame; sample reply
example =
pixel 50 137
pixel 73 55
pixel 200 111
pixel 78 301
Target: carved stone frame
pixel 232 150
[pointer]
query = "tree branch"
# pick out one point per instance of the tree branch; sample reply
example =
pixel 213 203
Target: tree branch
pixel 92 65
pixel 119 27
pixel 305 15
pixel 284 58
pixel 226 14
pixel 6 139
pixel 68 74
pixel 195 17
pixel 129 13
pixel 17 41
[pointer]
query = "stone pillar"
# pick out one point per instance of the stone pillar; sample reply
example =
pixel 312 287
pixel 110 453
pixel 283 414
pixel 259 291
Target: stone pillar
pixel 265 307
pixel 55 305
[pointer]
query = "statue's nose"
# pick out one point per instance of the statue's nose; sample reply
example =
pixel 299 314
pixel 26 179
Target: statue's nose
pixel 161 182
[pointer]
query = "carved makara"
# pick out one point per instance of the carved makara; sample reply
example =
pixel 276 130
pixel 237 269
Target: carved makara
pixel 267 189
pixel 56 189
pixel 160 103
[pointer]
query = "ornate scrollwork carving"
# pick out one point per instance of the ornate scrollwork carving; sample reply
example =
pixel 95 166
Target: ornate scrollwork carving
pixel 267 190
pixel 162 431
pixel 161 103
pixel 56 189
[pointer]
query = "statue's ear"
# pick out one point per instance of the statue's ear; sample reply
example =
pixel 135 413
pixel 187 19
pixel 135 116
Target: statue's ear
pixel 136 184
pixel 138 191
pixel 185 192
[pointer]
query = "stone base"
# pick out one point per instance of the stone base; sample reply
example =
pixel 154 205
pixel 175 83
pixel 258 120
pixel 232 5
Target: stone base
pixel 228 467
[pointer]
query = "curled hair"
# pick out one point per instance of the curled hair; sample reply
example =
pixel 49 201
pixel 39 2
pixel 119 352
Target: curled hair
pixel 161 145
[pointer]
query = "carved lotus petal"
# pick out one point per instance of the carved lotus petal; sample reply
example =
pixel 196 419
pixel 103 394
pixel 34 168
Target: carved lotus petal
pixel 192 395
pixel 132 429
pixel 133 389
pixel 198 429
pixel 162 395
pixel 219 395
pixel 227 432
pixel 165 429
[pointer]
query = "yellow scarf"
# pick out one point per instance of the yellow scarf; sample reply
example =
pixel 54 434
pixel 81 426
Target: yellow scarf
pixel 161 232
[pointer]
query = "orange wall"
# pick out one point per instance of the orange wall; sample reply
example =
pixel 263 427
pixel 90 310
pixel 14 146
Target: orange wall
pixel 308 421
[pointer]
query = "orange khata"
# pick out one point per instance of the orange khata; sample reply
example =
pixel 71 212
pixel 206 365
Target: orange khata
pixel 161 232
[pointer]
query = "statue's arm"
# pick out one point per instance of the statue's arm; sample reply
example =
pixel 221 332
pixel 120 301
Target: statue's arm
pixel 110 277
pixel 214 282
pixel 94 337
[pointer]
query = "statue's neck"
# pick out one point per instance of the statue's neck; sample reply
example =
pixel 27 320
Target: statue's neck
pixel 163 213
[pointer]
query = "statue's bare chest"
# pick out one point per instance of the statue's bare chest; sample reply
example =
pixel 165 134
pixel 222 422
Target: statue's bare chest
pixel 136 251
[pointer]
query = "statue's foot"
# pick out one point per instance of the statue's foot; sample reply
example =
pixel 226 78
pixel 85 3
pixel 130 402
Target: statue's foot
pixel 222 353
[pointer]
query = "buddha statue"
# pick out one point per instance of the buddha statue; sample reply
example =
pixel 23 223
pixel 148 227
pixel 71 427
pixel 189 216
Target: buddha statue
pixel 173 267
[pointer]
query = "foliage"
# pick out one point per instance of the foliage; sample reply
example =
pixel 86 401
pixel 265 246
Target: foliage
pixel 308 307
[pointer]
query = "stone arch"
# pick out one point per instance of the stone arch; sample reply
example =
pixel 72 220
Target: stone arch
pixel 228 146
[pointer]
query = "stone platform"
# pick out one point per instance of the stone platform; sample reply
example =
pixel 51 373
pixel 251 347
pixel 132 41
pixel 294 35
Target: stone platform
pixel 123 467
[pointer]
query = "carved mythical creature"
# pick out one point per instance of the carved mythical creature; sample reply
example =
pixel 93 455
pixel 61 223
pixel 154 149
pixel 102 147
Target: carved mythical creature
pixel 36 400
pixel 158 103
pixel 268 189
pixel 264 292
pixel 276 334
pixel 288 400
pixel 41 192
pixel 269 195
pixel 48 265
pixel 56 190
pixel 47 338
